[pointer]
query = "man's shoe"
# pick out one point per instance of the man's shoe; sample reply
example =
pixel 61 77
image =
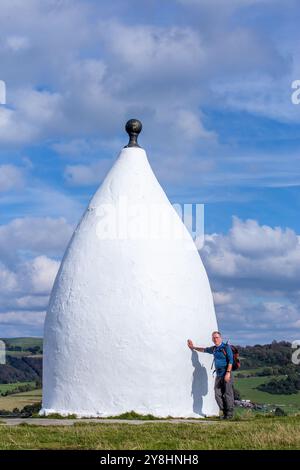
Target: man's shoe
pixel 228 417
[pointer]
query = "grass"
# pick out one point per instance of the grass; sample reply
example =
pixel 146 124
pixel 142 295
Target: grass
pixel 21 354
pixel 272 433
pixel 55 416
pixel 134 415
pixel 12 386
pixel 250 371
pixel 19 400
pixel 18 353
pixel 24 342
pixel 247 389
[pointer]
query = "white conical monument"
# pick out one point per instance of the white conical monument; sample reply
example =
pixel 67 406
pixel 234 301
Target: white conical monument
pixel 127 296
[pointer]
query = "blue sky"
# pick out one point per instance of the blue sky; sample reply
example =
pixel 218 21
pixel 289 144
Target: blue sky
pixel 211 82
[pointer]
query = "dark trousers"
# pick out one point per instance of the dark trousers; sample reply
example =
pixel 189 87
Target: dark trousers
pixel 224 395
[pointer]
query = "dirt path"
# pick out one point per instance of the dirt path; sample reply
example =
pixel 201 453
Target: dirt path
pixel 70 422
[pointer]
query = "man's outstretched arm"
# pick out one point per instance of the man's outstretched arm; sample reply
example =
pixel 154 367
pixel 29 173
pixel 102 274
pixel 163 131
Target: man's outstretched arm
pixel 191 346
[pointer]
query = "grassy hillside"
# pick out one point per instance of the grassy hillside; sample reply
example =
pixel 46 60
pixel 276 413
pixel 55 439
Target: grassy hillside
pixel 13 386
pixel 18 353
pixel 19 400
pixel 25 368
pixel 23 343
pixel 247 389
pixel 263 433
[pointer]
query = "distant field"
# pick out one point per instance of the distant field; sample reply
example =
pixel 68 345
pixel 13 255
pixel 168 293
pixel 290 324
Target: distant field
pixel 250 371
pixel 246 387
pixel 24 342
pixel 258 433
pixel 5 387
pixel 19 400
pixel 20 353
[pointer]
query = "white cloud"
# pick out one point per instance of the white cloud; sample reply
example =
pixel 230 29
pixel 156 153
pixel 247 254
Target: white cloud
pixel 251 239
pixel 27 318
pixel 190 125
pixel 27 268
pixel 258 94
pixel 11 177
pixel 222 298
pixel 254 271
pixel 84 175
pixel 38 302
pixel 254 255
pixel 82 148
pixel 17 43
pixel 37 275
pixel 40 200
pixel 35 236
pixel 25 290
pixel 158 52
pixel 8 280
pixel 35 113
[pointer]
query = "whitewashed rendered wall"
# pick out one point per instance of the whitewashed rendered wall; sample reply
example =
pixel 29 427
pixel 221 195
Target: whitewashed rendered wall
pixel 121 311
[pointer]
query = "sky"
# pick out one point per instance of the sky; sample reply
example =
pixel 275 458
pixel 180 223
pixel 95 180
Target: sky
pixel 211 80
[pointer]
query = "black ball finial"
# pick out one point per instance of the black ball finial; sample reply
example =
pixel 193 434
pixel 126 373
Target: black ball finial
pixel 133 128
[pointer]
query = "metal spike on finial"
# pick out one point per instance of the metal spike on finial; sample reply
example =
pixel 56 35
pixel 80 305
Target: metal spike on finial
pixel 133 128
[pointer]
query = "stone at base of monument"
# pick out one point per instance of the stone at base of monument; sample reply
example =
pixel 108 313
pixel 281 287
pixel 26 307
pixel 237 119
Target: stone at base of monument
pixel 122 416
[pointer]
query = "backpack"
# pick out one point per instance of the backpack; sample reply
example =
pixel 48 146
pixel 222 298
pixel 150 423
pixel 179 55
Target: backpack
pixel 236 359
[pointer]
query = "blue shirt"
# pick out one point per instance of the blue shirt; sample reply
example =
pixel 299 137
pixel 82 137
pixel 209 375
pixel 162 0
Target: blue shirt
pixel 221 360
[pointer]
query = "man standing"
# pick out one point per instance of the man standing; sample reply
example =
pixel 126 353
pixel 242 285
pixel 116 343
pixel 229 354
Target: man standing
pixel 223 359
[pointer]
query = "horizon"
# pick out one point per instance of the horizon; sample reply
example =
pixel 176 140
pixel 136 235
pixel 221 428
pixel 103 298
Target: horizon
pixel 224 339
